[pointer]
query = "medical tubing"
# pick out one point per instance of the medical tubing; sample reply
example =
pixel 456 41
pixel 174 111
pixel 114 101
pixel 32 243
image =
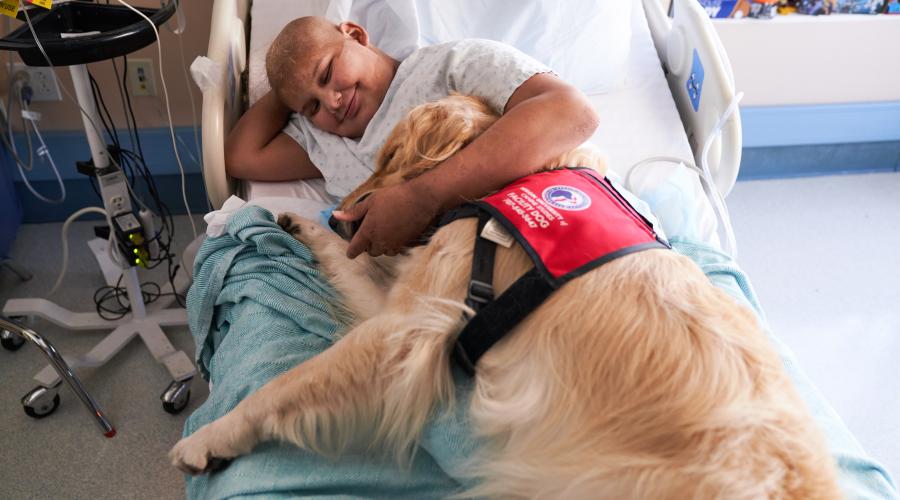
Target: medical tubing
pixel 707 182
pixel 42 150
pixel 162 79
pixel 10 146
pixel 65 245
pixel 713 191
pixel 8 138
pixel 190 90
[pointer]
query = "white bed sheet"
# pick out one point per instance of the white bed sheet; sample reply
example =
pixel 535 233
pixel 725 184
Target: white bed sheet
pixel 637 121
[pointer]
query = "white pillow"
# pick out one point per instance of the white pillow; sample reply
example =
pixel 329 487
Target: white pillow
pixel 391 25
pixel 587 42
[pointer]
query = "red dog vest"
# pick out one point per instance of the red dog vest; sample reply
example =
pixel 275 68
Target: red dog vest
pixel 569 221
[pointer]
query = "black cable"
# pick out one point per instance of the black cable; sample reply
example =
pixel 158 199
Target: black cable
pixel 164 236
pixel 119 294
pixel 137 136
pixel 119 86
pixel 111 130
pixel 105 117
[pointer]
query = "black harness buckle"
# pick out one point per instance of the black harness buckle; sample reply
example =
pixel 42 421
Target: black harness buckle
pixel 480 294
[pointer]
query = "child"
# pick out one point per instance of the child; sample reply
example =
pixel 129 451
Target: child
pixel 341 96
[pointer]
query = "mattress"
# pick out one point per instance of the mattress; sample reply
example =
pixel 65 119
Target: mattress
pixel 638 120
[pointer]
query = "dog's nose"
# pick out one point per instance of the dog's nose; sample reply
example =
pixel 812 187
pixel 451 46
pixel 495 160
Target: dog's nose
pixel 343 228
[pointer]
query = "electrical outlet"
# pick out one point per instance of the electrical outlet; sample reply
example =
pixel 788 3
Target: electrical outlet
pixel 140 74
pixel 41 80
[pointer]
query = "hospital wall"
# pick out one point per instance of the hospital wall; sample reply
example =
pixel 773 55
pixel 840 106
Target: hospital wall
pixel 821 93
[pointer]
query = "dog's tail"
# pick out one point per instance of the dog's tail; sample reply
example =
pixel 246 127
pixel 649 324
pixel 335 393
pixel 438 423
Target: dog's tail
pixel 660 386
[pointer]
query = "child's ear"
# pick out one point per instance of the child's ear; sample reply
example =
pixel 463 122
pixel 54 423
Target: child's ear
pixel 355 32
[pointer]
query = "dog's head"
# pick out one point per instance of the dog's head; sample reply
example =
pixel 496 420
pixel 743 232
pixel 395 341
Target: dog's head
pixel 428 135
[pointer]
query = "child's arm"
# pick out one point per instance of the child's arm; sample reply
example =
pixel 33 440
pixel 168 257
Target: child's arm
pixel 544 118
pixel 257 149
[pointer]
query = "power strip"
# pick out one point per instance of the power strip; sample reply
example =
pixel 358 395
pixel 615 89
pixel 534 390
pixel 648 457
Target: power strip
pixel 114 190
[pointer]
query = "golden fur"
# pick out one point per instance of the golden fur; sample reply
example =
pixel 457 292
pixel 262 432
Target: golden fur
pixel 639 379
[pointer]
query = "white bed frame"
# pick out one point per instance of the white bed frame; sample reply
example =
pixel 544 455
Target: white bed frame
pixel 676 39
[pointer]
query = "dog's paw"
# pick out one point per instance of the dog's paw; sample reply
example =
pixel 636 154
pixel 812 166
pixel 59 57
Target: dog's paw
pixel 302 229
pixel 200 453
pixel 287 222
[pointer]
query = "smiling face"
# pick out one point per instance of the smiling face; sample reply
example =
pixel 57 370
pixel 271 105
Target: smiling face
pixel 330 74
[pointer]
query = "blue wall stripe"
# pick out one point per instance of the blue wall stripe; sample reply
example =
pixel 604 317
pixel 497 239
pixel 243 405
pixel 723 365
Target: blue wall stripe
pixel 67 147
pixel 819 159
pixel 80 195
pixel 782 141
pixel 822 124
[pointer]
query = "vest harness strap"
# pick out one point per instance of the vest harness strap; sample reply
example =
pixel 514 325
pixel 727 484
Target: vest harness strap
pixel 569 221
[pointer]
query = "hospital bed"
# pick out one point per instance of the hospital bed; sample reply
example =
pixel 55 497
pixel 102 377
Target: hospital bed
pixel 668 117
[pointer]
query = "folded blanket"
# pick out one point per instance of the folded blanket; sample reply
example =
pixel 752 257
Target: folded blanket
pixel 258 307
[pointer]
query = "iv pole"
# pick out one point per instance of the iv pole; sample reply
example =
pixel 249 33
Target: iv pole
pixel 44 399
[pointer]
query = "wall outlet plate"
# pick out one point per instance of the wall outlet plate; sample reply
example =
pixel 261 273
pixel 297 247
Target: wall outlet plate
pixel 41 80
pixel 140 77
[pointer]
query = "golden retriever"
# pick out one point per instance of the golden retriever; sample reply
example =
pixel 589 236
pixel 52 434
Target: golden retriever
pixel 639 379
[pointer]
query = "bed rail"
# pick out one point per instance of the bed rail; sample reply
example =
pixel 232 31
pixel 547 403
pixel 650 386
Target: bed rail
pixel 223 101
pixel 702 83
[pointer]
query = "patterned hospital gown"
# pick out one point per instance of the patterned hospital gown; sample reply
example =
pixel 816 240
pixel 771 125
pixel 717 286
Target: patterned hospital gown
pixel 484 68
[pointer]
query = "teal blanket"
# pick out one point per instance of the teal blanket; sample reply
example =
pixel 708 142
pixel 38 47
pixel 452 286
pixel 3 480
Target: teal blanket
pixel 258 307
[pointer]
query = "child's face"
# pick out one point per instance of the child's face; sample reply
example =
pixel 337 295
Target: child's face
pixel 341 87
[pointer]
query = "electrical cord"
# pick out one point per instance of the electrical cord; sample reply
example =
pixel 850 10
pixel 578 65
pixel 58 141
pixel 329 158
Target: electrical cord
pixel 162 79
pixel 65 244
pixel 108 293
pixel 130 119
pixel 168 226
pixel 134 162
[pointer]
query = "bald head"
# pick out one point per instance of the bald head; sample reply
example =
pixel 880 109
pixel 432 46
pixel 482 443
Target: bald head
pixel 303 39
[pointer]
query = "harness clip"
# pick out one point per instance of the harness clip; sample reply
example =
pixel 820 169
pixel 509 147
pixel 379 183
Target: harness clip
pixel 480 293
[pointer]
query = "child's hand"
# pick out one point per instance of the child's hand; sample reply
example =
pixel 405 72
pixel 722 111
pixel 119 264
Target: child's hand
pixel 391 218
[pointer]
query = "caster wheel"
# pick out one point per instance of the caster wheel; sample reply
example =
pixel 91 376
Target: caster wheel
pixel 10 340
pixel 175 398
pixel 40 402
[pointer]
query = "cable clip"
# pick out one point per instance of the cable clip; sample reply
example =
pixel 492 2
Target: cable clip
pixel 33 116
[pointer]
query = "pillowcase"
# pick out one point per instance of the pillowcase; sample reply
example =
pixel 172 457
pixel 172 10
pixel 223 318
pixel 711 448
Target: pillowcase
pixel 391 25
pixel 586 42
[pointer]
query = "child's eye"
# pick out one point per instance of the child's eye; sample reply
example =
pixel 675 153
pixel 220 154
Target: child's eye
pixel 327 74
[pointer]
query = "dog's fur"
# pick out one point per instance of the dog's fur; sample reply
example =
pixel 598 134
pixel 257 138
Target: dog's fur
pixel 639 379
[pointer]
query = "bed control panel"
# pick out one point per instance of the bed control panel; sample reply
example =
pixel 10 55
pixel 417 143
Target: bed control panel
pixel 695 81
pixel 702 84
